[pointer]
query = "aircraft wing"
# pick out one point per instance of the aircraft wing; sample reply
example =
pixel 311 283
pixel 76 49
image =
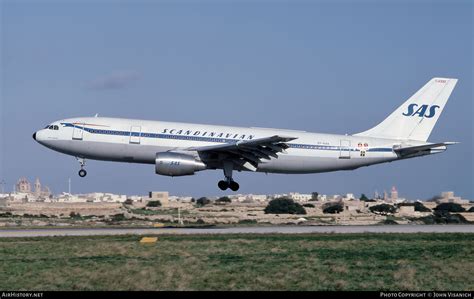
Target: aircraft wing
pixel 249 153
pixel 431 148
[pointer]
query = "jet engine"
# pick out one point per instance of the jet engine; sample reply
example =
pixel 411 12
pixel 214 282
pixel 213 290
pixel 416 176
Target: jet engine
pixel 177 164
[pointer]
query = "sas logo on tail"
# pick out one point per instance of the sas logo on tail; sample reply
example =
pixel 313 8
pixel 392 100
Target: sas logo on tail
pixel 421 111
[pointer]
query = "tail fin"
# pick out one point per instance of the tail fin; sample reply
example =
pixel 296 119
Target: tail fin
pixel 415 119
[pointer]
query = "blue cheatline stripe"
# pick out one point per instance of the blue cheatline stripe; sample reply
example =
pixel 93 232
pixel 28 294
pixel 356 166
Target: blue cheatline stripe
pixel 213 139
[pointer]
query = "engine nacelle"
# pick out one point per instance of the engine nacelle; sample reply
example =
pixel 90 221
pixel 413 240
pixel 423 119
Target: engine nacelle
pixel 176 164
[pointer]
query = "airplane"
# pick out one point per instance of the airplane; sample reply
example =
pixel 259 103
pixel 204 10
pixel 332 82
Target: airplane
pixel 180 149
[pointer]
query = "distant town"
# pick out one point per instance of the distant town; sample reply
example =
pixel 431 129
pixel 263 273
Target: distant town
pixel 24 191
pixel 35 204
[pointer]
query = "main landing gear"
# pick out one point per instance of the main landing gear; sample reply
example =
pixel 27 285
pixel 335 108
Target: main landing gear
pixel 228 182
pixel 82 172
pixel 233 185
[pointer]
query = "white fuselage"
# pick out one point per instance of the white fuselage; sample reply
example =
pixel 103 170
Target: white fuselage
pixel 138 141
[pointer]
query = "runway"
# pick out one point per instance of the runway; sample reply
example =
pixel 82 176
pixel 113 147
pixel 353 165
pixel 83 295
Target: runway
pixel 51 232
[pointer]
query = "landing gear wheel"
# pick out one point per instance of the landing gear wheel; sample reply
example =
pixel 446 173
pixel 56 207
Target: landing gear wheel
pixel 228 182
pixel 234 186
pixel 223 185
pixel 82 173
pixel 82 161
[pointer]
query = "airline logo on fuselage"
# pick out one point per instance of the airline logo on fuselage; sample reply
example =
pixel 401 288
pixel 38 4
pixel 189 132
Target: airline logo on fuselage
pixel 421 111
pixel 207 134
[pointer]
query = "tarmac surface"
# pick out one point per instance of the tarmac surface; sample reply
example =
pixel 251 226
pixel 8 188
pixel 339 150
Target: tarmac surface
pixel 50 232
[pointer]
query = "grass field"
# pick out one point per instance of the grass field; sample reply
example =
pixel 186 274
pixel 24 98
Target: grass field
pixel 240 262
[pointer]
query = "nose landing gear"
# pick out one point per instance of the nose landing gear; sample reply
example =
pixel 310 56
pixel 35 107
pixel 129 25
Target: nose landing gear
pixel 82 172
pixel 228 182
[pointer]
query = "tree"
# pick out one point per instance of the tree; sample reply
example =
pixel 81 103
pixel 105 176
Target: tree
pixel 443 217
pixel 203 201
pixel 471 210
pixel 333 208
pixel 314 196
pixel 128 201
pixel 75 215
pixel 284 205
pixel 363 197
pixel 153 204
pixel 383 209
pixel 308 205
pixel 419 207
pixel 450 207
pixel 223 199
pixel 118 217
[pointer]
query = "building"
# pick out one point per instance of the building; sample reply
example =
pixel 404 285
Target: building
pixel 394 194
pixel 259 197
pixel 448 196
pixel 41 191
pixel 135 198
pixel 353 205
pixel 163 197
pixel 407 210
pixel 349 196
pixel 239 198
pixel 103 197
pixel 184 199
pixel 300 197
pixel 376 195
pixel 23 186
pixel 322 197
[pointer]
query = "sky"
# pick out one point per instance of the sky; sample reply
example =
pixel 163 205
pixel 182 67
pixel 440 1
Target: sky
pixel 320 66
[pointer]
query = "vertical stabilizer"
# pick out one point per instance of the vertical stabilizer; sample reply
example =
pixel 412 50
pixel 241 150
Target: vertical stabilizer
pixel 416 118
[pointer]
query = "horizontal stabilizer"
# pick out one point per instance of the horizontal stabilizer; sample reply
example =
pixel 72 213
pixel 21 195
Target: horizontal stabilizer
pixel 433 148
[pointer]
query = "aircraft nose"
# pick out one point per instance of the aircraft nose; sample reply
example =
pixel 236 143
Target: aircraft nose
pixel 34 136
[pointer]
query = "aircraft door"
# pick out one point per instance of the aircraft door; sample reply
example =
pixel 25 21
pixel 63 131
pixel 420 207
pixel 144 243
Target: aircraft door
pixel 345 151
pixel 135 134
pixel 78 132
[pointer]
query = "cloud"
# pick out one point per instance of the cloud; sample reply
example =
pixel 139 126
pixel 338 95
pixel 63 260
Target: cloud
pixel 115 80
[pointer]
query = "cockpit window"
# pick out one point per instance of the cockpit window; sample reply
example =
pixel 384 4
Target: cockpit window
pixel 52 127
